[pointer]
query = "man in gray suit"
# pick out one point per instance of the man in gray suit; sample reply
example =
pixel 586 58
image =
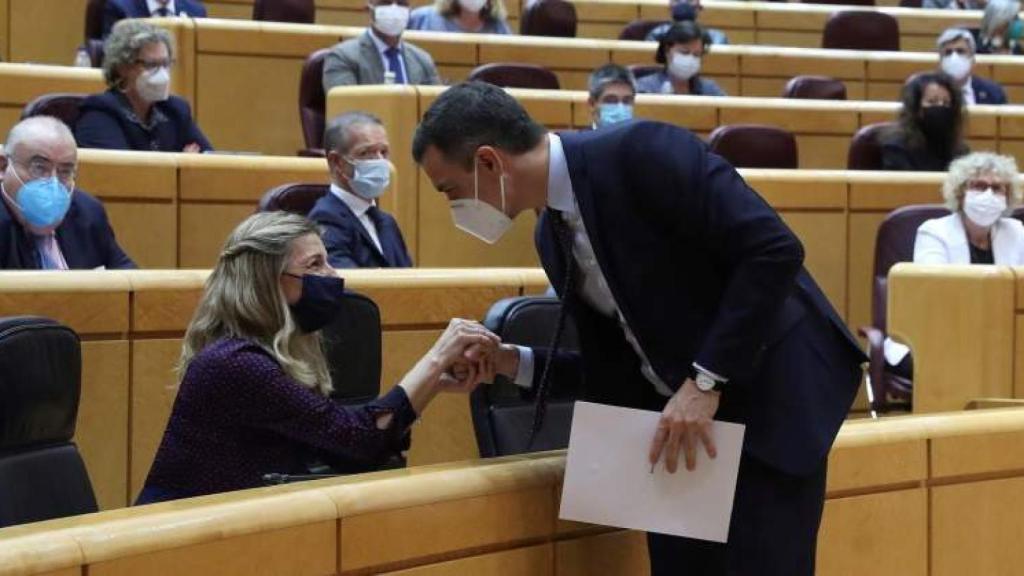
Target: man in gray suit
pixel 378 56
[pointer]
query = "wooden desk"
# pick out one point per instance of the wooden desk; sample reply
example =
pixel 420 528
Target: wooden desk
pixel 24 82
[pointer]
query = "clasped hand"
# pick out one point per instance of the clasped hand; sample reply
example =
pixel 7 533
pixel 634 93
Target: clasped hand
pixel 466 356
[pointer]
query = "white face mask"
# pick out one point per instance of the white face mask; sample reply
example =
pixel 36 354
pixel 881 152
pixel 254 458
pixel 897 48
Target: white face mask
pixel 479 218
pixel 371 177
pixel 683 66
pixel 956 65
pixel 472 5
pixel 390 19
pixel 984 207
pixel 154 86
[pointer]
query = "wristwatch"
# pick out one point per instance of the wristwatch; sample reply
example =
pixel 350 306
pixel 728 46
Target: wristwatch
pixel 705 383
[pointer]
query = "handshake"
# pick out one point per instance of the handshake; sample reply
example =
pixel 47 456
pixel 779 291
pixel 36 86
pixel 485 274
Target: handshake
pixel 467 355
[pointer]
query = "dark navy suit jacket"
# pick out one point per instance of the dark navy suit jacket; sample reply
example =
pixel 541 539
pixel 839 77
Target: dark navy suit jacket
pixel 120 9
pixel 85 239
pixel 703 270
pixel 349 244
pixel 987 91
pixel 107 121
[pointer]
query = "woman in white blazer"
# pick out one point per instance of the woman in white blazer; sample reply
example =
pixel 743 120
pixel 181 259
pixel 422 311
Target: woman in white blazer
pixel 981 190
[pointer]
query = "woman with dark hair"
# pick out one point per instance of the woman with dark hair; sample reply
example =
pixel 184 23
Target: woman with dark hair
pixel 930 131
pixel 680 51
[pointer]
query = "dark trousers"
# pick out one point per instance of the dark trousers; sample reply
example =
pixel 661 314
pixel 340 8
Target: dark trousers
pixel 773 530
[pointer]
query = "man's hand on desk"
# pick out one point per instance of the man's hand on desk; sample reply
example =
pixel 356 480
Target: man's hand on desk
pixel 685 423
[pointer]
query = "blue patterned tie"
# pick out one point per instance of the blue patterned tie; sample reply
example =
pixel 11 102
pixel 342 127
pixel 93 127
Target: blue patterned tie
pixel 394 64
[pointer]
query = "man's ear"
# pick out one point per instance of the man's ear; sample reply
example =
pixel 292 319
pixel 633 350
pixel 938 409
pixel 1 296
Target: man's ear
pixel 488 158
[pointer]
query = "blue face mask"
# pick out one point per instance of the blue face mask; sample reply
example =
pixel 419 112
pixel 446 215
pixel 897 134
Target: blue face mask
pixel 609 114
pixel 1016 30
pixel 371 177
pixel 43 202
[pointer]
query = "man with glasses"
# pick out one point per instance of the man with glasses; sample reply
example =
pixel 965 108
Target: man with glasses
pixel 45 223
pixel 956 58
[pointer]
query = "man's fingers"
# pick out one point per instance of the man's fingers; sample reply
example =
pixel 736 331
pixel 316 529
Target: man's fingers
pixel 706 438
pixel 657 444
pixel 690 447
pixel 677 433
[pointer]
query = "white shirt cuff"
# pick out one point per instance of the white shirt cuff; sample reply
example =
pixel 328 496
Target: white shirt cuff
pixel 715 377
pixel 524 375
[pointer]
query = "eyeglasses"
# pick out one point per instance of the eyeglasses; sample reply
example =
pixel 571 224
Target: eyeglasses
pixel 40 168
pixel 996 186
pixel 154 65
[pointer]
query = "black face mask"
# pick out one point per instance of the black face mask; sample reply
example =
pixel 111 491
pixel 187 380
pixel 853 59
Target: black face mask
pixel 937 123
pixel 320 302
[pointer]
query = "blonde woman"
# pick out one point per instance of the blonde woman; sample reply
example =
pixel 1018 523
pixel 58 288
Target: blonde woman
pixel 478 16
pixel 253 388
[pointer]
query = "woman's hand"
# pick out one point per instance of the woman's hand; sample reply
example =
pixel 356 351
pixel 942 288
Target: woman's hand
pixel 192 148
pixel 464 342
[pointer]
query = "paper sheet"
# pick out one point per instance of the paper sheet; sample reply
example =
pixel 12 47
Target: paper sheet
pixel 608 478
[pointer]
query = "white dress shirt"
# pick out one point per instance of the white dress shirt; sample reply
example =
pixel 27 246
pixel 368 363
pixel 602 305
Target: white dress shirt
pixel 593 288
pixel 359 207
pixel 382 47
pixel 968 93
pixel 155 5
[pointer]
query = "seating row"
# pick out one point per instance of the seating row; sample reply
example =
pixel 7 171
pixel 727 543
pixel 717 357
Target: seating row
pixel 944 487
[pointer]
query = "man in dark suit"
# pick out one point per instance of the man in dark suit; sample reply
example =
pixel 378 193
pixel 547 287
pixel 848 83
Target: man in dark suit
pixel 356 233
pixel 689 297
pixel 956 58
pixel 45 223
pixel 115 10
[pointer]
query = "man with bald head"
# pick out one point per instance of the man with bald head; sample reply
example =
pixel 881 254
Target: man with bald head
pixel 45 223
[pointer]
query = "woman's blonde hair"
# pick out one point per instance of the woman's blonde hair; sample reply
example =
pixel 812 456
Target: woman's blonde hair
pixel 976 164
pixel 493 10
pixel 243 299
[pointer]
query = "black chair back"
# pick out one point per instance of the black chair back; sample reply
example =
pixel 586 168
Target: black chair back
pixel 42 475
pixel 352 346
pixel 297 198
pixel 502 418
pixel 66 107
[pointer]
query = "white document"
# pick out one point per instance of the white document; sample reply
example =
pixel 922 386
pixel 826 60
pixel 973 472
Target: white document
pixel 608 477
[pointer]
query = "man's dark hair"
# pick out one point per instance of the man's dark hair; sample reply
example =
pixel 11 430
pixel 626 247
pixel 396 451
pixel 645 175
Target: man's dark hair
pixel 473 114
pixel 606 76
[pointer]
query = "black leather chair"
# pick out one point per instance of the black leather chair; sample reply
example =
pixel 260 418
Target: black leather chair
pixel 502 417
pixel 548 18
pixel 639 29
pixel 297 11
pixel 312 104
pixel 42 475
pixel 894 244
pixel 865 151
pixel 62 106
pixel 815 88
pixel 295 198
pixel 513 75
pixel 94 19
pixel 755 146
pixel 861 30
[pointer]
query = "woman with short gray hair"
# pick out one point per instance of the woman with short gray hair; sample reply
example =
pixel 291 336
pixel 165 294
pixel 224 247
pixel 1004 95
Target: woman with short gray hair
pixel 138 112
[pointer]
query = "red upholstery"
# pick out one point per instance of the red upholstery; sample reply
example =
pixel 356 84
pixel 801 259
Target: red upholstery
pixel 94 19
pixel 298 11
pixel 64 106
pixel 755 146
pixel 312 101
pixel 294 198
pixel 516 76
pixel 639 29
pixel 815 87
pixel 548 18
pixel 865 151
pixel 893 244
pixel 861 30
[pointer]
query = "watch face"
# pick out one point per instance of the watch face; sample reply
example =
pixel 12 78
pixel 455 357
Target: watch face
pixel 705 383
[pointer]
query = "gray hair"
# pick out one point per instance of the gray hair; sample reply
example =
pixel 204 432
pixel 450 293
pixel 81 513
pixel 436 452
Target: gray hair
pixel 126 40
pixel 609 74
pixel 952 35
pixel 337 136
pixel 33 127
pixel 243 299
pixel 966 167
pixel 998 14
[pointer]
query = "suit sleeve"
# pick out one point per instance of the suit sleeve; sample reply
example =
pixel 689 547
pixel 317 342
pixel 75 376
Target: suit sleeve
pixel 114 257
pixel 896 157
pixel 338 240
pixel 111 14
pixel 929 247
pixel 747 243
pixel 192 132
pixel 98 129
pixel 566 378
pixel 339 70
pixel 433 78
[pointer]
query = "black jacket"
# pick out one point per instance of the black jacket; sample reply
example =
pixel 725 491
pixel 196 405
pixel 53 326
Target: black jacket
pixel 107 121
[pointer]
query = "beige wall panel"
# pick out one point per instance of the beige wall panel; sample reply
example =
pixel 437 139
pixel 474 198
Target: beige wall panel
pixel 204 227
pixel 898 70
pixel 269 120
pixel 45 31
pixel 148 232
pixel 822 152
pixel 824 238
pixel 451 74
pixel 163 310
pixel 613 554
pixel 786 64
pixel 857 535
pixel 976 528
pixel 273 39
pixel 532 561
pixel 977 454
pixel 573 79
pixel 85 312
pixel 570 57
pixel 762 87
pixel 243 178
pixel 301 550
pixel 153 379
pixel 863 230
pixel 667 109
pixel 877 465
pixel 341 17
pixel 405 534
pixel 605 30
pixel 892 191
pixel 5 35
pixel 125 175
pixel 811 20
pixel 444 432
pixel 225 10
pixel 102 430
pixel 418 306
pixel 885 91
pixel 800 39
pixel 1018 357
pixel 447 48
pixel 977 322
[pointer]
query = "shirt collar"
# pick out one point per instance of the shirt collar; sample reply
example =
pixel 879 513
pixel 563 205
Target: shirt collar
pixel 968 92
pixel 357 205
pixel 560 195
pixel 381 45
pixel 154 5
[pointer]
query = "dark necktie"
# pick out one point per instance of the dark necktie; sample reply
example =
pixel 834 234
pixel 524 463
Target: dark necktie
pixel 387 234
pixel 563 235
pixel 163 11
pixel 395 64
